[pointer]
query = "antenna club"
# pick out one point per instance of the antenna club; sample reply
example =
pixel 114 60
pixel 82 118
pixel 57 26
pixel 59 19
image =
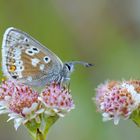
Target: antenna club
pixel 89 65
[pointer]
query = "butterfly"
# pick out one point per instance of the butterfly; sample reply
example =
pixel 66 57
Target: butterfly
pixel 26 60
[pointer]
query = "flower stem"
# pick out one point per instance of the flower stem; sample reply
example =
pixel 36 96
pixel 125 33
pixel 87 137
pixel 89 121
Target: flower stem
pixel 40 130
pixel 39 135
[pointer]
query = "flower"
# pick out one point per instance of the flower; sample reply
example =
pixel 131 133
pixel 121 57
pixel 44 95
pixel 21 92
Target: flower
pixel 117 100
pixel 19 101
pixel 102 89
pixel 23 104
pixel 57 100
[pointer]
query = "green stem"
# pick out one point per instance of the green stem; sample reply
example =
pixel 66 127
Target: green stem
pixel 39 135
pixel 40 130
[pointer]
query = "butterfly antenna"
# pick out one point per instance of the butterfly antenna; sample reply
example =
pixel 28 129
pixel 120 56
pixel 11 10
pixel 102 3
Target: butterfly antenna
pixel 85 64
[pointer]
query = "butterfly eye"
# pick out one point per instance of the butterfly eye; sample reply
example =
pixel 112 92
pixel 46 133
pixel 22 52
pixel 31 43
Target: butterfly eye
pixel 47 59
pixel 68 67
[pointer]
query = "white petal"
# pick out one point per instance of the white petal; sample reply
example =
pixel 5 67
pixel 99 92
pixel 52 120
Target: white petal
pixel 27 110
pixel 2 107
pixel 34 106
pixel 12 116
pixel 61 115
pixel 102 106
pixel 49 113
pixel 105 115
pixel 106 119
pixel 56 110
pixel 40 99
pixel 4 111
pixel 116 120
pixel 18 122
pixel 40 111
pixel 3 103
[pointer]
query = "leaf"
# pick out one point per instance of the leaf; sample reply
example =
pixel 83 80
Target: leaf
pixel 135 116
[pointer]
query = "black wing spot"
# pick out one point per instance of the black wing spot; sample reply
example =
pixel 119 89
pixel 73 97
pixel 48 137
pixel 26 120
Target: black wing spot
pixel 46 59
pixel 14 77
pixel 30 52
pixel 35 49
pixel 26 40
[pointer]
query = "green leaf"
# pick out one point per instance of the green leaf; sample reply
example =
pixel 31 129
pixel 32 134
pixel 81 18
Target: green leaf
pixel 135 116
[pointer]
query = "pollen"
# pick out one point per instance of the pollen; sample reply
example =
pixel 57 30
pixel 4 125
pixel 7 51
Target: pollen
pixel 12 68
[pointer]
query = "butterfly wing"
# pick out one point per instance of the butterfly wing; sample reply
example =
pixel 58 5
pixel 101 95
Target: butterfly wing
pixel 26 60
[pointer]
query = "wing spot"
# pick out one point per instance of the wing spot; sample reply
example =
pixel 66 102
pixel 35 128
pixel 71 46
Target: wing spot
pixel 35 61
pixel 35 50
pixel 19 62
pixel 26 40
pixel 47 59
pixel 20 68
pixel 42 66
pixel 21 47
pixel 14 77
pixel 29 52
pixel 12 68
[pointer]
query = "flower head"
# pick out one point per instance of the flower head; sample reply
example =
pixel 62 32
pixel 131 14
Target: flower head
pixel 102 89
pixel 20 101
pixel 117 99
pixel 24 104
pixel 6 90
pixel 57 99
pixel 24 100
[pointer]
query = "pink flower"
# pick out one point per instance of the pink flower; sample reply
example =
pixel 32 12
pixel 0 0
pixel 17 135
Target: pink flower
pixel 22 103
pixel 117 99
pixel 6 89
pixel 57 99
pixel 24 100
pixel 19 101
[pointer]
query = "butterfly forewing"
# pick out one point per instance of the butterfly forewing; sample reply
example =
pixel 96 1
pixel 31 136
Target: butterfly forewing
pixel 24 59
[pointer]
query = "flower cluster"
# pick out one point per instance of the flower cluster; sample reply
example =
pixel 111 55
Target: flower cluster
pixel 57 100
pixel 23 104
pixel 117 100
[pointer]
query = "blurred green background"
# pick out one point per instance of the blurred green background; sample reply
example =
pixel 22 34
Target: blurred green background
pixel 106 33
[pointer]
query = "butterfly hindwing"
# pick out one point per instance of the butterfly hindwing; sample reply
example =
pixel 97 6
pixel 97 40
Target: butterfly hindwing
pixel 24 59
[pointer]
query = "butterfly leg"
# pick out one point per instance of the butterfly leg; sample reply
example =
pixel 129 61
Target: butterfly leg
pixel 65 82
